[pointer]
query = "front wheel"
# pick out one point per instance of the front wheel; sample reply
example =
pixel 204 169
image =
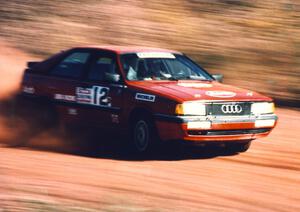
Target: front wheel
pixel 143 135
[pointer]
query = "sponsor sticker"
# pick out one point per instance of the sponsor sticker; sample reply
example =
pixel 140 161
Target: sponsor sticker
pixel 65 97
pixel 155 55
pixel 97 95
pixel 145 97
pixel 220 94
pixel 115 118
pixel 29 90
pixel 195 85
pixel 72 111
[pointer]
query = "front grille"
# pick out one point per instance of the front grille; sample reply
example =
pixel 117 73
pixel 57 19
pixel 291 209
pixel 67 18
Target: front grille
pixel 229 108
pixel 228 132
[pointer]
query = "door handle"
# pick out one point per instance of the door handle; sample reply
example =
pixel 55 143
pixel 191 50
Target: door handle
pixel 118 86
pixel 107 100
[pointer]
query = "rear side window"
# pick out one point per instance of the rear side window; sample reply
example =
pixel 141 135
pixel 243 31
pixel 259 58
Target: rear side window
pixel 72 66
pixel 103 65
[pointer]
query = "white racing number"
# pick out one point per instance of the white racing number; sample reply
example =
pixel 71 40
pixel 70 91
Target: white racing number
pixel 96 95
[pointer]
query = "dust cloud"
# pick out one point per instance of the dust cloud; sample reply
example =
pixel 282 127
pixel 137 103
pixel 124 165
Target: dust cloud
pixel 14 130
pixel 12 64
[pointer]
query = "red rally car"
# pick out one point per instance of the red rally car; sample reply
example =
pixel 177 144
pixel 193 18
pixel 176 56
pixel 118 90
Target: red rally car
pixel 149 93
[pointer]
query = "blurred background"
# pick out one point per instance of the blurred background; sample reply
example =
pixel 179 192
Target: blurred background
pixel 255 44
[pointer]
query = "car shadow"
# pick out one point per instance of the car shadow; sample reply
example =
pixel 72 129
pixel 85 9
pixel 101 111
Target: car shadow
pixel 170 152
pixel 115 149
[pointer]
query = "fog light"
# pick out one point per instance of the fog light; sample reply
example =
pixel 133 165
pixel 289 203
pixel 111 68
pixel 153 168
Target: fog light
pixel 264 123
pixel 199 125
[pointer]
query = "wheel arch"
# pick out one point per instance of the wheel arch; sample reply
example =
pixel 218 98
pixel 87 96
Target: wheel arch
pixel 36 106
pixel 139 111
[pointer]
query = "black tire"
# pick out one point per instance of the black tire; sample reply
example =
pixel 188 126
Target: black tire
pixel 144 137
pixel 238 147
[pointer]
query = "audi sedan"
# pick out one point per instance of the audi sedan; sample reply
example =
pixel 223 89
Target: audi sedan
pixel 150 95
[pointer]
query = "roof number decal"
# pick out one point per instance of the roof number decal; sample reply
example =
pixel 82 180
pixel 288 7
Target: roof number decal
pixel 155 55
pixel 220 94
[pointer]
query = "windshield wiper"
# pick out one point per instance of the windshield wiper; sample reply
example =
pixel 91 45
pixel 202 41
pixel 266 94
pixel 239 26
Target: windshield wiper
pixel 199 78
pixel 179 78
pixel 205 80
pixel 173 78
pixel 187 78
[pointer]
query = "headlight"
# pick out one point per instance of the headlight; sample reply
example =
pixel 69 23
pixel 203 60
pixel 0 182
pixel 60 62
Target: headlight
pixel 262 108
pixel 191 108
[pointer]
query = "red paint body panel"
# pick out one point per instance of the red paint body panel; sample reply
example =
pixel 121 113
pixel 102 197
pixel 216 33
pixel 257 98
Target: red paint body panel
pixel 174 90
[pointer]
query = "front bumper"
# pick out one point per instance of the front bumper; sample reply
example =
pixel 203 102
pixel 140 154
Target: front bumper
pixel 214 128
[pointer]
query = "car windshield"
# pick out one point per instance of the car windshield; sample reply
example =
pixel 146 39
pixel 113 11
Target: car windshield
pixel 161 66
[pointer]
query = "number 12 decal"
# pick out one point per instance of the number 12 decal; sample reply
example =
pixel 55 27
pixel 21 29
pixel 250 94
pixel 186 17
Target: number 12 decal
pixel 96 95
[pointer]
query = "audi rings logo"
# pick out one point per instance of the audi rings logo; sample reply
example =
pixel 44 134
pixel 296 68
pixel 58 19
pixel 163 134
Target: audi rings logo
pixel 231 108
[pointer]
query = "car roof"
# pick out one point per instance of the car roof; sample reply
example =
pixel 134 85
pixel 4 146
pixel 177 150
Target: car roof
pixel 129 49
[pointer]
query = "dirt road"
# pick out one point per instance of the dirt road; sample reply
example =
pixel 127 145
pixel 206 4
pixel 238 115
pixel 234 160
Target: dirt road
pixel 266 178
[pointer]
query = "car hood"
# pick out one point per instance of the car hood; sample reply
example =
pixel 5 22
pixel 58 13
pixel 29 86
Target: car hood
pixel 196 90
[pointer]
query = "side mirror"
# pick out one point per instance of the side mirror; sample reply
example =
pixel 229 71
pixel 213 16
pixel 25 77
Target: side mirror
pixel 218 77
pixel 112 77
